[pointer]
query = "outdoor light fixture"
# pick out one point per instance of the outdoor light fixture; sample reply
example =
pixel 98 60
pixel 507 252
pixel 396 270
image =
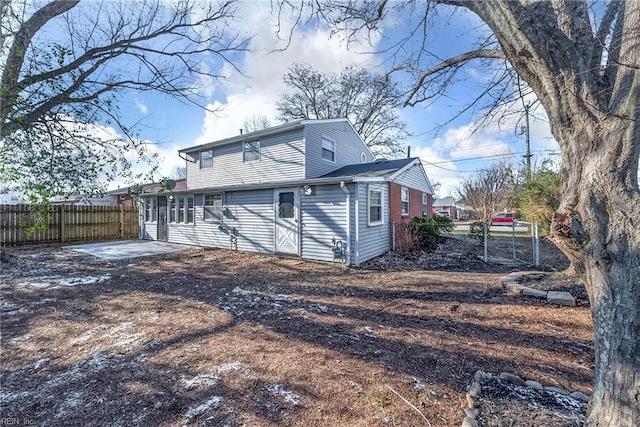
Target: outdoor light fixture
pixel 308 190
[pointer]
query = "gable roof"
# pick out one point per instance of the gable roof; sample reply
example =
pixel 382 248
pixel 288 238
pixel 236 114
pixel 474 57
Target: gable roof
pixel 444 201
pixel 297 124
pixel 374 169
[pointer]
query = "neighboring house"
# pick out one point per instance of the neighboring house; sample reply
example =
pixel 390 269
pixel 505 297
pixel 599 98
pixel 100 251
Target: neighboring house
pixel 446 204
pixel 125 196
pixel 308 188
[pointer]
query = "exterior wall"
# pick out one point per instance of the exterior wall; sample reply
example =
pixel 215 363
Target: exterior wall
pixel 324 216
pixel 281 159
pixel 373 239
pixel 149 230
pixel 395 203
pixel 349 147
pixel 415 177
pixel 248 225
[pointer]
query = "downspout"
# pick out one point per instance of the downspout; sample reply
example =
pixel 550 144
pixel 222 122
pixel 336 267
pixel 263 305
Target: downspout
pixel 357 225
pixel 346 191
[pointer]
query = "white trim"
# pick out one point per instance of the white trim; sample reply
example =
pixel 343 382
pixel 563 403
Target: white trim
pixel 404 190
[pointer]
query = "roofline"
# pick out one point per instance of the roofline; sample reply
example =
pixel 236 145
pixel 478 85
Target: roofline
pixel 294 125
pixel 416 161
pixel 265 186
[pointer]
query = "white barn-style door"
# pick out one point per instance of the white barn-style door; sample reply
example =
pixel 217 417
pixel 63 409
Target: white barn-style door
pixel 287 213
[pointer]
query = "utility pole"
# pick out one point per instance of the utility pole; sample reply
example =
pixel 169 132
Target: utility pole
pixel 528 142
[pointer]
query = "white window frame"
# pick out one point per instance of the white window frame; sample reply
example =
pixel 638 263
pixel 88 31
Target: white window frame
pixel 425 202
pixel 404 200
pixel 329 143
pixel 210 159
pixel 249 147
pixel 369 206
pixel 217 216
pixel 150 211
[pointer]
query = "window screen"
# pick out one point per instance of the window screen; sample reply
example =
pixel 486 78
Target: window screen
pixel 286 205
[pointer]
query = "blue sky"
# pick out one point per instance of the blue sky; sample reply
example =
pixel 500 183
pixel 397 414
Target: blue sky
pixel 448 155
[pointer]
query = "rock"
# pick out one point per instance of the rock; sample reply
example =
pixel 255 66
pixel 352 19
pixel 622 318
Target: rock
pixel 472 401
pixel 534 385
pixel 479 377
pixel 534 293
pixel 556 390
pixel 469 422
pixel 561 298
pixel 514 288
pixel 580 396
pixel 513 379
pixel 471 412
pixel 475 389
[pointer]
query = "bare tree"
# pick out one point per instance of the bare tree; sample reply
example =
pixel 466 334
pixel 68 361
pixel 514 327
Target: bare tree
pixel 59 94
pixel 488 191
pixel 178 172
pixel 370 101
pixel 255 122
pixel 582 61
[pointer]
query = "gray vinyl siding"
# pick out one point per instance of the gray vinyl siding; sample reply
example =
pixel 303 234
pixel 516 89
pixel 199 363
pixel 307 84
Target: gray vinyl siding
pixel 348 147
pixel 281 159
pixel 149 230
pixel 415 178
pixel 373 239
pixel 324 216
pixel 248 225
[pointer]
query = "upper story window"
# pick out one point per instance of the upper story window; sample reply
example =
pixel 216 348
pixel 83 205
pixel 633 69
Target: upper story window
pixel 206 159
pixel 251 151
pixel 375 206
pixel 213 207
pixel 328 150
pixel 404 199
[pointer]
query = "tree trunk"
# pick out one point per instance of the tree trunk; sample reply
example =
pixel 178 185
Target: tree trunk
pixel 598 227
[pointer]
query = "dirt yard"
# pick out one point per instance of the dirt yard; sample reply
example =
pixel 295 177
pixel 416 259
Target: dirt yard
pixel 219 338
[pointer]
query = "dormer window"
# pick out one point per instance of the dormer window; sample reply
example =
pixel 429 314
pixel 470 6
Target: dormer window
pixel 328 150
pixel 206 159
pixel 250 151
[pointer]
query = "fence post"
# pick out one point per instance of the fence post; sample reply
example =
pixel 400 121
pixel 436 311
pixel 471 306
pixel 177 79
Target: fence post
pixel 62 228
pixel 121 222
pixel 486 232
pixel 393 235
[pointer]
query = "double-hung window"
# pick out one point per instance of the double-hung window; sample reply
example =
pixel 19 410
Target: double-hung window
pixel 150 211
pixel 172 209
pixel 213 207
pixel 425 203
pixel 328 150
pixel 404 199
pixel 206 159
pixel 251 151
pixel 375 206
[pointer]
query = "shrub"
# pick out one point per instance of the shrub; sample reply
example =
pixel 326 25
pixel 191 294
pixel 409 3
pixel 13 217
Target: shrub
pixel 428 232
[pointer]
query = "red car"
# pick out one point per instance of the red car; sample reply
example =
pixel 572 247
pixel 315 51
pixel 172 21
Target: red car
pixel 503 219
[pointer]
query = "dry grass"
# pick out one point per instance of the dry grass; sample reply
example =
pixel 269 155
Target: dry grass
pixel 223 338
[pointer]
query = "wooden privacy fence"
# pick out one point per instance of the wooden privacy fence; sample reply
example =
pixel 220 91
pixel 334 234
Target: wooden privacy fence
pixel 65 223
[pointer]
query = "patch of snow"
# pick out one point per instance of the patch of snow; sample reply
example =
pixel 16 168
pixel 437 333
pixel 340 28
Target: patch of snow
pixel 230 367
pixel 199 380
pixel 53 282
pixel 194 412
pixel 278 390
pixel 418 385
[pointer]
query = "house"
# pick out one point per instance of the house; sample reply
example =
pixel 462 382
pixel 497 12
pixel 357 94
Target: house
pixel 309 188
pixel 446 206
pixel 126 196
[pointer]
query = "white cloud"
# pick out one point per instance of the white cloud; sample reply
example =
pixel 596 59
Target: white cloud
pixel 141 106
pixel 257 92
